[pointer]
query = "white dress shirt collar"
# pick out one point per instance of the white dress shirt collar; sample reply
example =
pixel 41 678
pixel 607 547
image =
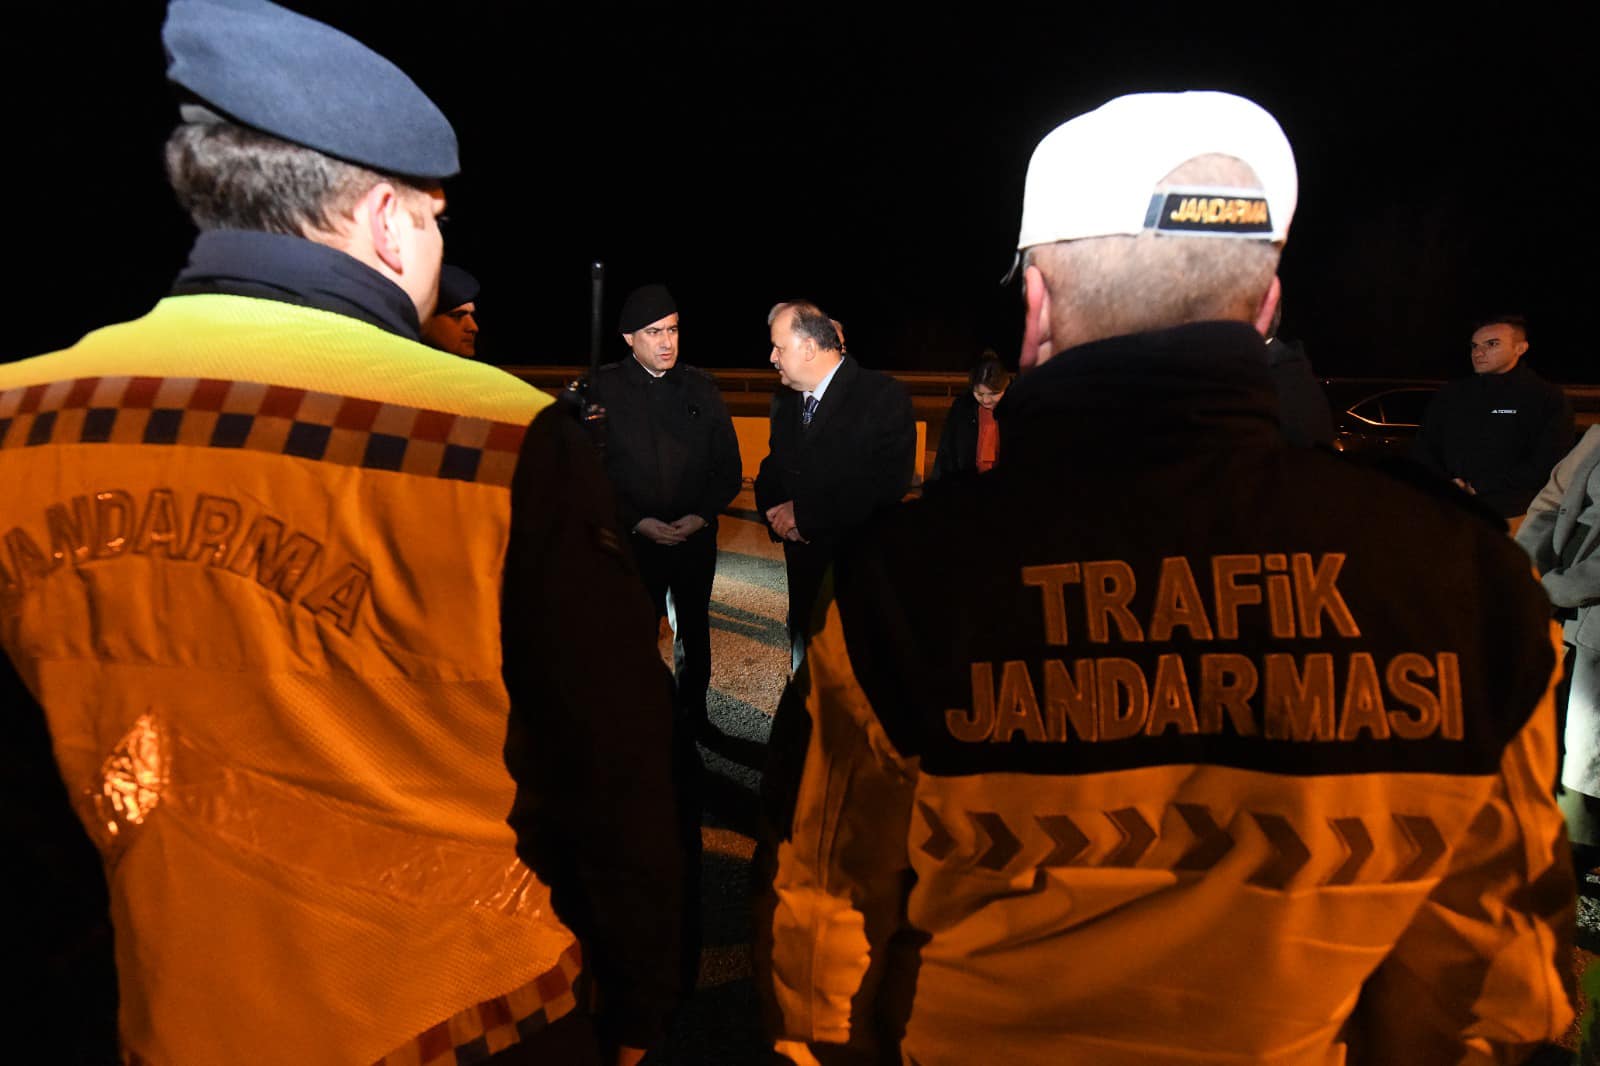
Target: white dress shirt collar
pixel 822 386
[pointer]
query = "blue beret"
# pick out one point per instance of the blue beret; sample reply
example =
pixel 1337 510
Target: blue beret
pixel 456 287
pixel 292 77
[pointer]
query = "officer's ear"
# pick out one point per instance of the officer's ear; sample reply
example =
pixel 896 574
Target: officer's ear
pixel 1038 344
pixel 1269 307
pixel 627 338
pixel 378 213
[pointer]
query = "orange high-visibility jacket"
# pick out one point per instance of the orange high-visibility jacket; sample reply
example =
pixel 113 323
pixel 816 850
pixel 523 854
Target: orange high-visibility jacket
pixel 251 571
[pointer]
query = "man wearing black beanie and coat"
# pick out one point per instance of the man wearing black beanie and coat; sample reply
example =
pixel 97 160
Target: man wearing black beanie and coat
pixel 674 461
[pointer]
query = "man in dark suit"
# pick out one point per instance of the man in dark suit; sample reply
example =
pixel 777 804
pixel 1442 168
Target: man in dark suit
pixel 842 445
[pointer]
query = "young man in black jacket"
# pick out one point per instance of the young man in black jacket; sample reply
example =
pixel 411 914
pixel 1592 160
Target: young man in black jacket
pixel 1498 433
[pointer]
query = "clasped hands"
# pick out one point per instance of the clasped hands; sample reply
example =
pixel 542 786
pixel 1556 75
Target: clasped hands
pixel 670 532
pixel 781 519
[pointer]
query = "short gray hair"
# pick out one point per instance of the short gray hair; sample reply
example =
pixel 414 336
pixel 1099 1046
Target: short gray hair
pixel 809 321
pixel 230 177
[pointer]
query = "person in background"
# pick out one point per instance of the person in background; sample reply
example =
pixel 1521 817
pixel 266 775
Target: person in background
pixel 453 327
pixel 971 437
pixel 1498 432
pixel 842 445
pixel 673 458
pixel 1561 534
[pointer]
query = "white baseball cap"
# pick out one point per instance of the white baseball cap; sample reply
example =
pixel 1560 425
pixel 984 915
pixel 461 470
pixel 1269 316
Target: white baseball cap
pixel 1099 175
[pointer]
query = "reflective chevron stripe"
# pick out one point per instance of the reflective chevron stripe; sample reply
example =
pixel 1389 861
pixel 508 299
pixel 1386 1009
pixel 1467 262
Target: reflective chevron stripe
pixel 1357 847
pixel 1059 840
pixel 1425 838
pixel 939 843
pixel 1137 836
pixel 1003 844
pixel 1212 843
pixel 1290 853
pixel 1069 840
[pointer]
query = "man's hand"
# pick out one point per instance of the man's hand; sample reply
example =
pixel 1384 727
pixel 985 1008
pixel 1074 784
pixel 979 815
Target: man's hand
pixel 688 525
pixel 781 519
pixel 1465 485
pixel 659 531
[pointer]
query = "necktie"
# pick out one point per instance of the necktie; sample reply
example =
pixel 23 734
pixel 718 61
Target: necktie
pixel 810 409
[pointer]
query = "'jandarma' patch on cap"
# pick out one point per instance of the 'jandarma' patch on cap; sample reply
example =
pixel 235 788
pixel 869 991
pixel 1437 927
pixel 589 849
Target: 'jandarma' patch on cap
pixel 1210 212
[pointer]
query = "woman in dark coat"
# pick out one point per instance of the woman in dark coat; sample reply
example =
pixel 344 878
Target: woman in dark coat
pixel 971 440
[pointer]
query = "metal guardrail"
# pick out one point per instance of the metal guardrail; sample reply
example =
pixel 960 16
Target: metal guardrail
pixel 748 394
pixel 749 391
pixel 935 389
pixel 763 381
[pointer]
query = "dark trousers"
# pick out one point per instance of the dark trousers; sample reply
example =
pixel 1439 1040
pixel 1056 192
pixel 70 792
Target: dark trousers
pixel 805 565
pixel 687 571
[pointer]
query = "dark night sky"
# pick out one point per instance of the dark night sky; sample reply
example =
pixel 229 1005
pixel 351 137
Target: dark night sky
pixel 870 161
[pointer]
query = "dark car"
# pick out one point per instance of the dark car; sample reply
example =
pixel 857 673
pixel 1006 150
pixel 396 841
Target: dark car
pixel 1376 416
pixel 1381 416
